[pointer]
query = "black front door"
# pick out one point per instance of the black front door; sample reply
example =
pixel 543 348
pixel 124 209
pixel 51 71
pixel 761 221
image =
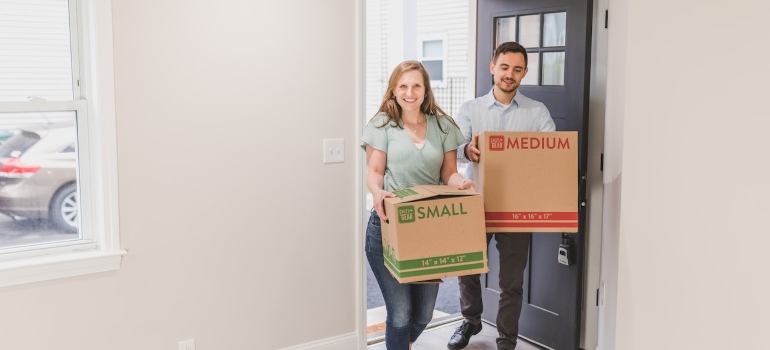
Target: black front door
pixel 557 35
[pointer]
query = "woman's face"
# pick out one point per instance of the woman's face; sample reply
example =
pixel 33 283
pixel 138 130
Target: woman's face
pixel 410 91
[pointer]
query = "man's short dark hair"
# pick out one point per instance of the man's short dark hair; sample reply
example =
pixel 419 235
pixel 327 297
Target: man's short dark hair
pixel 511 46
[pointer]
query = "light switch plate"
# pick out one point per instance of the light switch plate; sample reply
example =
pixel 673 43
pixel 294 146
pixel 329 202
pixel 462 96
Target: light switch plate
pixel 334 151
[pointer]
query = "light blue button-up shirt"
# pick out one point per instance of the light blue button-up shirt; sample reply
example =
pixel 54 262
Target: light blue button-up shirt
pixel 486 114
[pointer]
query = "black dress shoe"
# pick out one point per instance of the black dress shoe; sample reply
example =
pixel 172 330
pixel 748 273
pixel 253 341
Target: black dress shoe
pixel 463 335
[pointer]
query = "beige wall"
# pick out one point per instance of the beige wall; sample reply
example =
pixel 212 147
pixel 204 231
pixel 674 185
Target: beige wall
pixel 238 235
pixel 687 98
pixel 225 204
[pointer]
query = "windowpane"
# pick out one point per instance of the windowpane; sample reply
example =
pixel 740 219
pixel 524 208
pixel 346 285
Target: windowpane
pixel 553 68
pixel 533 74
pixel 35 51
pixel 435 69
pixel 506 30
pixel 529 31
pixel 39 201
pixel 432 48
pixel 555 28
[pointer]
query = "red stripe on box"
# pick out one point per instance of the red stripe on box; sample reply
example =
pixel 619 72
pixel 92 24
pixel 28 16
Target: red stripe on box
pixel 532 224
pixel 531 215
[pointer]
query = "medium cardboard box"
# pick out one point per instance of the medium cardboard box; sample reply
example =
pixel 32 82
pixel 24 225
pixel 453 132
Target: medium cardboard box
pixel 529 181
pixel 434 232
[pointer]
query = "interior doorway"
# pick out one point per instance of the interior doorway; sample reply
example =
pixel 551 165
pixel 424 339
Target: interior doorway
pixel 437 33
pixel 397 30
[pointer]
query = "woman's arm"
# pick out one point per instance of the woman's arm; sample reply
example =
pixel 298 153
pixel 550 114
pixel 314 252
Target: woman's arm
pixel 375 179
pixel 451 177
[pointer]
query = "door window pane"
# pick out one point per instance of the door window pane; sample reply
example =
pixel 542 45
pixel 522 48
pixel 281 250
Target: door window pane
pixel 553 68
pixel 35 53
pixel 533 74
pixel 529 31
pixel 506 30
pixel 555 29
pixel 39 201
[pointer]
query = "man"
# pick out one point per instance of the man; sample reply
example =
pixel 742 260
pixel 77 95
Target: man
pixel 502 109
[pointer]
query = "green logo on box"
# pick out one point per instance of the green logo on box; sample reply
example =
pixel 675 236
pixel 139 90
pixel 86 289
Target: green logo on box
pixel 406 214
pixel 404 193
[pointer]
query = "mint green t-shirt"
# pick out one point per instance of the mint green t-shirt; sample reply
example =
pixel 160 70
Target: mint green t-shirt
pixel 407 165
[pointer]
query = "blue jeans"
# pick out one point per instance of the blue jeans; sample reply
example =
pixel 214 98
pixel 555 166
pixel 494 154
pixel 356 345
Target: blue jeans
pixel 409 307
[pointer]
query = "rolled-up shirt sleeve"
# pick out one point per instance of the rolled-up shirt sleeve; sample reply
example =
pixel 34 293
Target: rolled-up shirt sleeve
pixel 546 123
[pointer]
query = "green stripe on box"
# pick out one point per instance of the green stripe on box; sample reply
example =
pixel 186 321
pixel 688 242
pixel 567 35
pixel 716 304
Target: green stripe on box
pixel 407 274
pixel 453 259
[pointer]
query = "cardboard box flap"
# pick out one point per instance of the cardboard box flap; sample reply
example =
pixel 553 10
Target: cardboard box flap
pixel 417 193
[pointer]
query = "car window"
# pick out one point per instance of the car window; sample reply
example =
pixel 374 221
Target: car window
pixel 18 144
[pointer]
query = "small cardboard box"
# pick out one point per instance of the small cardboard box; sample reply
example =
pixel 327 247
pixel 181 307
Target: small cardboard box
pixel 434 232
pixel 529 181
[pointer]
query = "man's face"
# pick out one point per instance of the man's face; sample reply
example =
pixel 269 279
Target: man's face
pixel 508 71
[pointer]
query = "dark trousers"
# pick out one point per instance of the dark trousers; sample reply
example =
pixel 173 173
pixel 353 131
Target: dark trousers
pixel 514 250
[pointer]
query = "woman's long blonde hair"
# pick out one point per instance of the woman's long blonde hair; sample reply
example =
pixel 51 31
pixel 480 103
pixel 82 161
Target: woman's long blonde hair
pixel 392 109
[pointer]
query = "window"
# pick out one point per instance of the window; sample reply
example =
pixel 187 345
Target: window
pixel 544 37
pixel 432 57
pixel 58 194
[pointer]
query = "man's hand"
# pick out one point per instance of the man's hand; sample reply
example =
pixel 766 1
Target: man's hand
pixel 472 152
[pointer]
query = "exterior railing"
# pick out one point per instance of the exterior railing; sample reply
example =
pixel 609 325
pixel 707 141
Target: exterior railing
pixel 451 94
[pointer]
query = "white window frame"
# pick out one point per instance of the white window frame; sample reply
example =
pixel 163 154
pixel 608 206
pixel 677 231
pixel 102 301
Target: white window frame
pixel 444 49
pixel 94 102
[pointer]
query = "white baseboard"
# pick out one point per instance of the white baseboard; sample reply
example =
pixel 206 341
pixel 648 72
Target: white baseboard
pixel 341 342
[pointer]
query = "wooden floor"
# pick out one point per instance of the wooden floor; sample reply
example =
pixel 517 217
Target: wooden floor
pixel 437 337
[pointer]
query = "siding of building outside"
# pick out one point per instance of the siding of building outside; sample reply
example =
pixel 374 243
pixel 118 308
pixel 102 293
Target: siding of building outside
pixel 448 18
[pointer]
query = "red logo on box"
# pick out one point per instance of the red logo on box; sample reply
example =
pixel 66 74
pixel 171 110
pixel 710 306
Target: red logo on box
pixel 496 142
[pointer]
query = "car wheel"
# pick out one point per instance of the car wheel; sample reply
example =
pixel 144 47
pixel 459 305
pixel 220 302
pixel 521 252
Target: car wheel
pixel 64 208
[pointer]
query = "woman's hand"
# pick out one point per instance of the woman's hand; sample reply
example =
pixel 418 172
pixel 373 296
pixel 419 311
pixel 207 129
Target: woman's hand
pixel 451 177
pixel 379 199
pixel 467 184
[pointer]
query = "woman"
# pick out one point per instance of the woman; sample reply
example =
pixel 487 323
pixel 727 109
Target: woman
pixel 410 142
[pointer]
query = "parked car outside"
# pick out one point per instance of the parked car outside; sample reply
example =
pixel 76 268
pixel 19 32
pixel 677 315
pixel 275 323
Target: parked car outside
pixel 5 135
pixel 38 176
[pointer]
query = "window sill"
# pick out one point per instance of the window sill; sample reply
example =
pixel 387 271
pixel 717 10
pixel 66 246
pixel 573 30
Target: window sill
pixel 58 266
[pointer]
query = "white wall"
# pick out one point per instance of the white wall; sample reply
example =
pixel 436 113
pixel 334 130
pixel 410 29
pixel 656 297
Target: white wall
pixel 687 113
pixel 238 235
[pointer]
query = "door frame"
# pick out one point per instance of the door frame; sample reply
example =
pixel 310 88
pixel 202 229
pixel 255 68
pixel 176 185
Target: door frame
pixel 589 329
pixel 360 182
pixel 592 293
